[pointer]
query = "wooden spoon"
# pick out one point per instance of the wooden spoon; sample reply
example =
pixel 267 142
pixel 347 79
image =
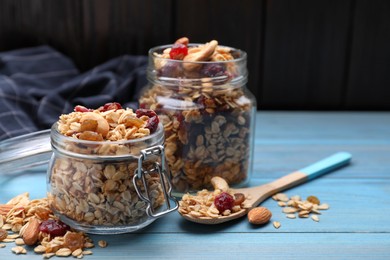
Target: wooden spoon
pixel 256 195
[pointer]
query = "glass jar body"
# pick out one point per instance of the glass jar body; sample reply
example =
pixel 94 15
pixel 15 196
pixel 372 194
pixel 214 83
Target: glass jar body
pixel 91 186
pixel 208 120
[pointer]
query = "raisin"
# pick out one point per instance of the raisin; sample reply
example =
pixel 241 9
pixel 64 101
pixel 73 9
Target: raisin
pixel 224 201
pixel 3 233
pixel 178 51
pixel 152 124
pixel 90 136
pixel 53 227
pixel 110 106
pixel 74 240
pixel 88 125
pixel 239 198
pixel 145 112
pixel 313 199
pixel 82 109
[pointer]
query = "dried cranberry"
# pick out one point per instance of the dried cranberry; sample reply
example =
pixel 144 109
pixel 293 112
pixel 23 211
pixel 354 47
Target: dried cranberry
pixel 213 70
pixel 145 112
pixel 82 109
pixel 142 105
pixel 178 51
pixel 152 124
pixel 171 70
pixel 53 227
pixel 110 106
pixel 224 201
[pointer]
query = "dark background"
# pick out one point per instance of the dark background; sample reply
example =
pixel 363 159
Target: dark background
pixel 309 54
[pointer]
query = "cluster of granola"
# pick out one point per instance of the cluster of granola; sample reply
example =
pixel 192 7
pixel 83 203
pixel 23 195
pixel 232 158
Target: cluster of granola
pixel 31 222
pixel 100 192
pixel 206 117
pixel 212 204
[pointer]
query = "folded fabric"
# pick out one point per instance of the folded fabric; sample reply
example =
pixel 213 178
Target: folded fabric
pixel 39 84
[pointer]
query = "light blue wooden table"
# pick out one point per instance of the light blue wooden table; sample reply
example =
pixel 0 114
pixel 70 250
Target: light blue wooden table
pixel 356 226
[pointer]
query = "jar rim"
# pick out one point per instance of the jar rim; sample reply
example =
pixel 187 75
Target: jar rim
pixel 156 135
pixel 242 54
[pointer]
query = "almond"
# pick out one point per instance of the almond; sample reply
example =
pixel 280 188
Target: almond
pixel 31 233
pixel 5 208
pixel 259 215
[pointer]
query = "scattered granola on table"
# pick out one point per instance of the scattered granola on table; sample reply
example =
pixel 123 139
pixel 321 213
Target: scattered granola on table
pixel 200 95
pixel 32 222
pixel 294 206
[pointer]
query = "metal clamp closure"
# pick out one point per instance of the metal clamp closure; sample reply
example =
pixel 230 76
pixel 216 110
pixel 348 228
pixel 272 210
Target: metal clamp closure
pixel 165 184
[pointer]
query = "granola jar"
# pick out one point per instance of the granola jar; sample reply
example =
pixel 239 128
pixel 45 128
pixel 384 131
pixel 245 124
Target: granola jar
pixel 207 112
pixel 108 187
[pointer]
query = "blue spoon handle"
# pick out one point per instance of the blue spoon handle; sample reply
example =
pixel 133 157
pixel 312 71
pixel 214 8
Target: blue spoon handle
pixel 308 173
pixel 326 165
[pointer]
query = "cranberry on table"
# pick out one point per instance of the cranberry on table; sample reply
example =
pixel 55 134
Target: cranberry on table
pixel 224 201
pixel 54 227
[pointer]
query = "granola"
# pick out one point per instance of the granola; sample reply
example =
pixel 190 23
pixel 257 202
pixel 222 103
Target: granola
pixel 204 203
pixel 17 219
pixel 100 191
pixel 206 112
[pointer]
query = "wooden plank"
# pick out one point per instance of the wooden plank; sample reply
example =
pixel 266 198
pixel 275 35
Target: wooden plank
pixel 369 74
pixel 304 54
pixel 232 24
pixel 90 32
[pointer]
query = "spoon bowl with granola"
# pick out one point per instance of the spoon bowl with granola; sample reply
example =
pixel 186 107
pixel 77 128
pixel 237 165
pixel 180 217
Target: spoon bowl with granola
pixel 226 204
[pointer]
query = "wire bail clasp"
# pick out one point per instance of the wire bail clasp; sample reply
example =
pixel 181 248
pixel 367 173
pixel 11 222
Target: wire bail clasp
pixel 140 173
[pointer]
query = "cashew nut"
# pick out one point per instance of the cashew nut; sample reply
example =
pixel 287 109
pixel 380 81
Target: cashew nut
pixel 102 125
pixel 183 40
pixel 202 55
pixel 219 183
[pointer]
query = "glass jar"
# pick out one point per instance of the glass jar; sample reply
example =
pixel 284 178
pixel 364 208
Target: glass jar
pixel 208 116
pixel 108 187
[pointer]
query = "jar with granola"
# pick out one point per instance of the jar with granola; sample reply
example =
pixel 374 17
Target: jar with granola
pixel 199 92
pixel 107 174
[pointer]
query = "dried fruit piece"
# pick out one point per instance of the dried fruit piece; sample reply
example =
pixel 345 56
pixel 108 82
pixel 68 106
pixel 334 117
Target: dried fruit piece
pixel 110 106
pixel 73 240
pixel 224 201
pixel 178 51
pixel 152 124
pixel 88 125
pixel 313 199
pixel 90 136
pixel 259 215
pixel 239 198
pixel 145 112
pixel 54 227
pixel 3 234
